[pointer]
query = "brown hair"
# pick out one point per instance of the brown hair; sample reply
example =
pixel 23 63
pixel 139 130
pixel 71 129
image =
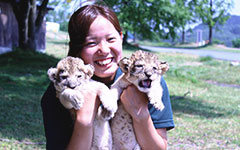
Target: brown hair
pixel 80 22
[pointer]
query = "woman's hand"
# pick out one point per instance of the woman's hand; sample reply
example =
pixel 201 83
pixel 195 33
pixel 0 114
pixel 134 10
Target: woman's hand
pixel 135 102
pixel 87 113
pixel 83 127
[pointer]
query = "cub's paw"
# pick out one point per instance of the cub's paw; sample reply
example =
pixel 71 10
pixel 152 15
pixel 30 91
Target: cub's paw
pixel 109 105
pixel 77 101
pixel 105 114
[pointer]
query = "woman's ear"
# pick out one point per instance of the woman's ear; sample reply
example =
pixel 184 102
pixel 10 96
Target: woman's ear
pixel 121 36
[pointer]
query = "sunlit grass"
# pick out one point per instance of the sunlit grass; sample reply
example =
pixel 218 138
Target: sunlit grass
pixel 207 116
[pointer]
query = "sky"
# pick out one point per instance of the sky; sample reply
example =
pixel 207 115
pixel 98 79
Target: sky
pixel 236 8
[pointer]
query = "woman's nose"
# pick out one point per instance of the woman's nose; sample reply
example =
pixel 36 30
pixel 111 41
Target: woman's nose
pixel 103 48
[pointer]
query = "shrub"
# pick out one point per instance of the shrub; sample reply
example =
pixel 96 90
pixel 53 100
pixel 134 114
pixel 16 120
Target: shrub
pixel 236 43
pixel 205 58
pixel 216 41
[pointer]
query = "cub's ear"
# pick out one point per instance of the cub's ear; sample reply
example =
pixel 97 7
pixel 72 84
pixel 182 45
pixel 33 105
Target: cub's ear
pixel 89 70
pixel 164 67
pixel 124 64
pixel 52 74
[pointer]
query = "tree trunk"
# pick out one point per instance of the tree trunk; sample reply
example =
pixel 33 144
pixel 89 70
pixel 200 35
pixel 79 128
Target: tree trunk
pixel 29 21
pixel 41 13
pixel 183 36
pixel 125 37
pixel 23 24
pixel 210 35
pixel 31 34
pixel 210 24
pixel 134 37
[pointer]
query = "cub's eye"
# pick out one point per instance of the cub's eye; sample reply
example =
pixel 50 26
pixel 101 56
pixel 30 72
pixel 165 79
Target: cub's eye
pixel 138 66
pixel 154 68
pixel 79 76
pixel 63 77
pixel 61 71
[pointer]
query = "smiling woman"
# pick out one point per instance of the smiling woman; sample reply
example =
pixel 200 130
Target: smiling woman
pixel 103 48
pixel 96 37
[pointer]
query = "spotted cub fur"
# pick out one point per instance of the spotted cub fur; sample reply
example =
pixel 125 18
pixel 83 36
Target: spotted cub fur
pixel 144 70
pixel 71 77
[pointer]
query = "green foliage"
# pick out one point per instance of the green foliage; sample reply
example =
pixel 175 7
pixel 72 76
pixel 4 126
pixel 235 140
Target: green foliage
pixel 183 15
pixel 216 41
pixel 212 12
pixel 206 58
pixel 236 43
pixel 60 14
pixel 147 18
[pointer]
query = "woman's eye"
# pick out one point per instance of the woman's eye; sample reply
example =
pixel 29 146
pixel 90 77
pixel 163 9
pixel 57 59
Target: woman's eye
pixel 91 44
pixel 111 39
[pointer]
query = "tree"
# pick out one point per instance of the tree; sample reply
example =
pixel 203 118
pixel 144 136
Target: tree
pixel 147 18
pixel 184 14
pixel 60 14
pixel 213 12
pixel 29 20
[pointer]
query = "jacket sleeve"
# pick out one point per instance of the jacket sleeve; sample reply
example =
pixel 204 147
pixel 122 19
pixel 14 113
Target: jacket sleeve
pixel 57 120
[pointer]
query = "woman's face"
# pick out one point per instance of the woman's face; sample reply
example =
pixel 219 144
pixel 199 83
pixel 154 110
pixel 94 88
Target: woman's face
pixel 103 48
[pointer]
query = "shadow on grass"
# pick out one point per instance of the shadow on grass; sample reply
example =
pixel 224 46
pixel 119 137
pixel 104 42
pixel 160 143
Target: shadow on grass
pixel 183 105
pixel 23 80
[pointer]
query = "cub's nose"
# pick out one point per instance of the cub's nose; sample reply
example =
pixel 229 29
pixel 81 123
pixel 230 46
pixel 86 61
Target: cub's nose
pixel 148 74
pixel 72 85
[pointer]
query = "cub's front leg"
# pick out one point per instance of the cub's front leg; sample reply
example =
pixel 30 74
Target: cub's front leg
pixel 71 98
pixel 118 86
pixel 109 102
pixel 155 97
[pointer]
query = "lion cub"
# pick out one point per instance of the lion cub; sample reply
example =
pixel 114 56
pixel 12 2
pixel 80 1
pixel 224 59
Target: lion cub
pixel 71 77
pixel 144 70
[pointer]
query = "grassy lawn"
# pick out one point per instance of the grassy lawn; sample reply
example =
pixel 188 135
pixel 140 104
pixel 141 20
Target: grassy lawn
pixel 204 94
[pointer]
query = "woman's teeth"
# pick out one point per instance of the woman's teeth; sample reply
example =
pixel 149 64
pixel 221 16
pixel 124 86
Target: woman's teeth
pixel 104 62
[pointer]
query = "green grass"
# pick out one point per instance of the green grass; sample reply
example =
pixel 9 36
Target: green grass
pixel 207 116
pixel 23 80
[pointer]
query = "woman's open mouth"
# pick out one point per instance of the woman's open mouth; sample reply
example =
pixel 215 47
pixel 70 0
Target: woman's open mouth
pixel 104 62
